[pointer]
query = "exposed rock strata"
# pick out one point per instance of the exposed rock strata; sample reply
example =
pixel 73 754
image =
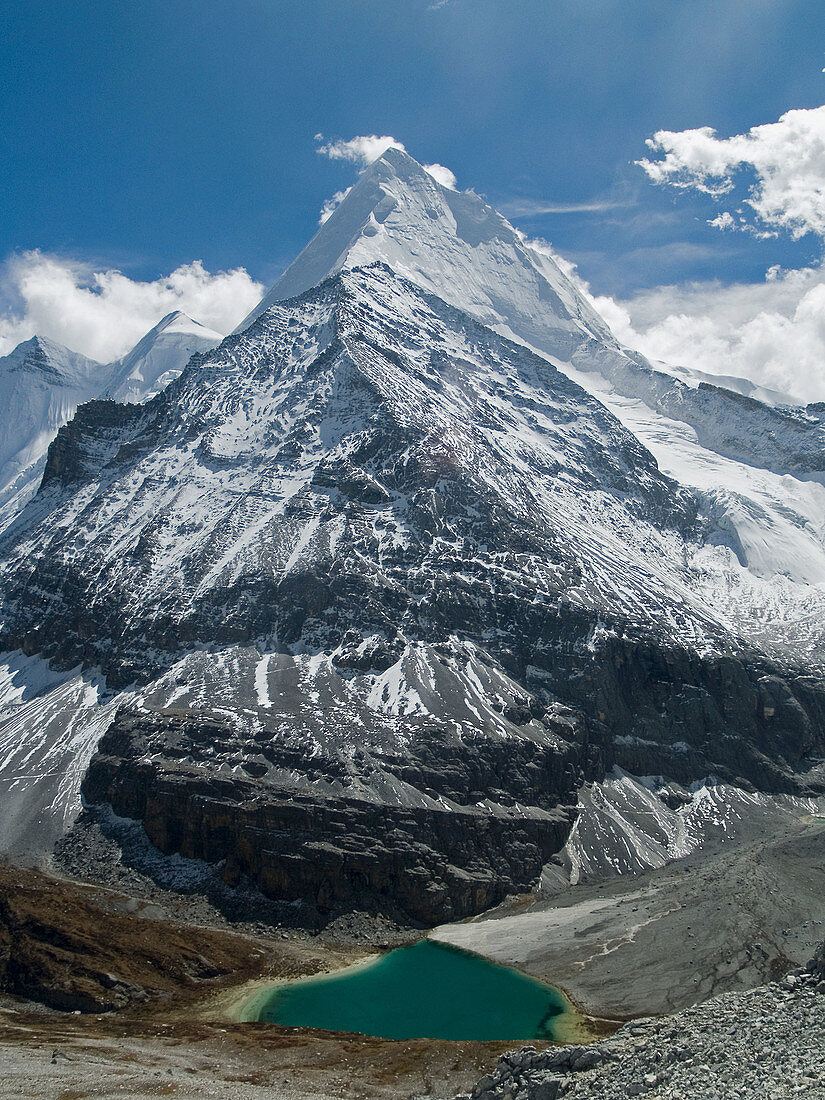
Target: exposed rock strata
pixel 475 584
pixel 426 862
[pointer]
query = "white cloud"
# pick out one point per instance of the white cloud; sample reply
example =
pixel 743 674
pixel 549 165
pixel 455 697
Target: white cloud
pixel 442 175
pixel 785 161
pixel 104 313
pixel 772 332
pixel 532 208
pixel 723 221
pixel 363 150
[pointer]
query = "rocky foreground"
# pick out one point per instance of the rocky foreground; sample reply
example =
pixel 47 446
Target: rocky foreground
pixel 766 1043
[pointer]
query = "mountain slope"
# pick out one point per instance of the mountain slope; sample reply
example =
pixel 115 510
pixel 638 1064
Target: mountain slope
pixel 450 243
pixel 364 398
pixel 158 358
pixel 42 383
pixel 379 590
pixel 708 436
pixel 353 608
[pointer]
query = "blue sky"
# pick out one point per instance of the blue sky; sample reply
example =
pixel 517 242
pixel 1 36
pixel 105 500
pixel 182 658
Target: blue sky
pixel 143 136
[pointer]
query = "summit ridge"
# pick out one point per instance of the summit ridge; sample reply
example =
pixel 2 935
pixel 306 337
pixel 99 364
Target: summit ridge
pixel 448 242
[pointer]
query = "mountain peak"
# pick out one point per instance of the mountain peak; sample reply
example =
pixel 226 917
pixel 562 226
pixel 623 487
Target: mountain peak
pixel 46 357
pixel 399 159
pixel 177 321
pixel 450 243
pixel 159 357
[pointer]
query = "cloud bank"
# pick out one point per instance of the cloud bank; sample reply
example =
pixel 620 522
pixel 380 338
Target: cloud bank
pixel 785 161
pixel 104 313
pixel 772 332
pixel 363 150
pixel 770 180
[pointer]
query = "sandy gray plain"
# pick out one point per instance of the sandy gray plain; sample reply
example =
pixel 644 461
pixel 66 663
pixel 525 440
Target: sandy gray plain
pixel 731 916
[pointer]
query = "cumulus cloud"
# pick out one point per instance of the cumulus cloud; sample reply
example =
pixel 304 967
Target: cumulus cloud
pixel 781 163
pixel 103 313
pixel 363 150
pixel 771 332
pixel 769 180
pixel 442 175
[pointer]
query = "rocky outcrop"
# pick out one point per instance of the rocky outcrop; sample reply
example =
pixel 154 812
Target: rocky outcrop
pixel 417 820
pixel 816 967
pixel 414 856
pixel 738 717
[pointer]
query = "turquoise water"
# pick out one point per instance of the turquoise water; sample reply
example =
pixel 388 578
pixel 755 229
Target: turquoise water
pixel 428 990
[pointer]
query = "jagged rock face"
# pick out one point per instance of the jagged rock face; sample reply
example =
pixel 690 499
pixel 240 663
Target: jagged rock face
pixel 367 459
pixel 194 784
pixel 397 585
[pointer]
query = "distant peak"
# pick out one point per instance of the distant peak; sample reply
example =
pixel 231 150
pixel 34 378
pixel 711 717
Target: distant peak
pixel 159 356
pixel 41 347
pixel 178 322
pixel 38 343
pixel 53 361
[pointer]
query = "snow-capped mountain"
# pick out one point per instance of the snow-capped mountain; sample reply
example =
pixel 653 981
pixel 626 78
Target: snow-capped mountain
pixel 756 468
pixel 158 358
pixel 42 383
pixel 365 594
pixel 450 243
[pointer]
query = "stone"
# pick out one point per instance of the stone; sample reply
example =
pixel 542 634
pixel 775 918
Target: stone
pixel 547 1089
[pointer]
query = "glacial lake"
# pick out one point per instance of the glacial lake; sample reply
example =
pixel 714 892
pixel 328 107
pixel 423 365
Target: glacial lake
pixel 427 990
